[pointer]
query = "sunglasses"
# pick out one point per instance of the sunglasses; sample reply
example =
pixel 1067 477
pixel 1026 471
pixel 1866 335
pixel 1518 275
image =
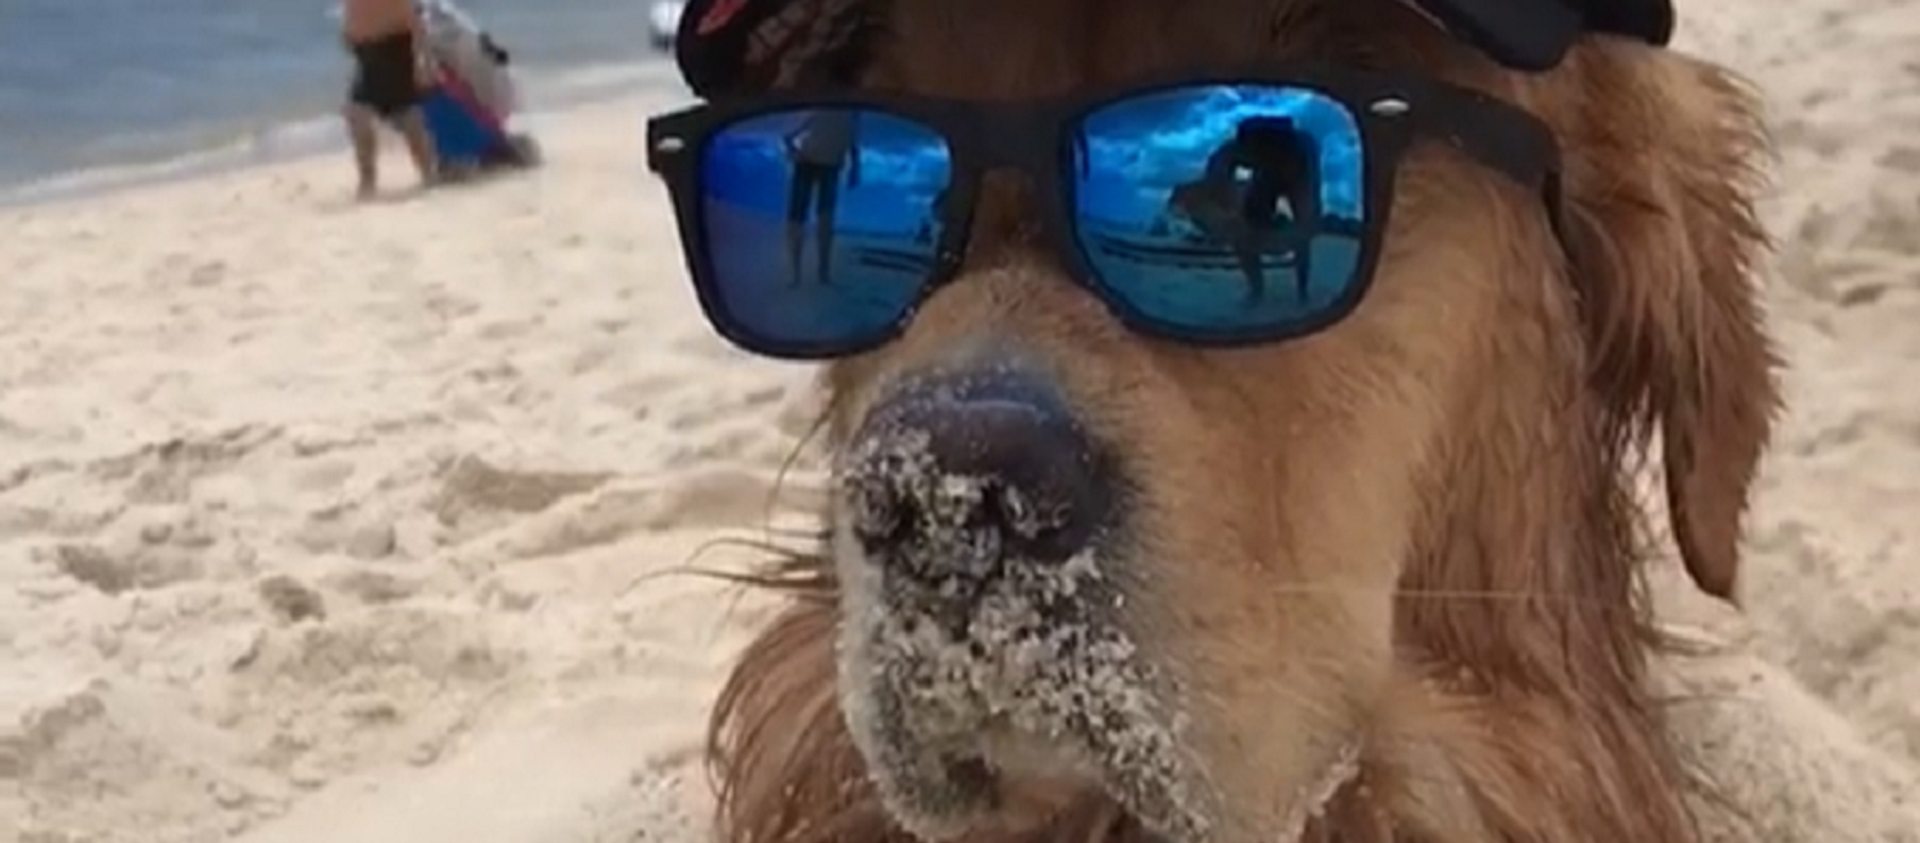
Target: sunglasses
pixel 1216 210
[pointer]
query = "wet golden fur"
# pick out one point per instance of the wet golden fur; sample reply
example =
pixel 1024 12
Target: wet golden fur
pixel 1415 528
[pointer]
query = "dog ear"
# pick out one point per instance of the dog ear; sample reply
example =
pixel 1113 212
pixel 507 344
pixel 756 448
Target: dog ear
pixel 1664 237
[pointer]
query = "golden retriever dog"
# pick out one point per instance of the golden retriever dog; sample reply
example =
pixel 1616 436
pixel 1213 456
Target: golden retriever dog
pixel 1382 583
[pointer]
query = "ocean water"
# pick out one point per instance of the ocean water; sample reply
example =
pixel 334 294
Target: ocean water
pixel 95 91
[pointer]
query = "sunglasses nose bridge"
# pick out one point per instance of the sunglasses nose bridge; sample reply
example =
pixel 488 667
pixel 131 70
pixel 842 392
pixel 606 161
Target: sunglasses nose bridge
pixel 1008 166
pixel 1016 138
pixel 1006 208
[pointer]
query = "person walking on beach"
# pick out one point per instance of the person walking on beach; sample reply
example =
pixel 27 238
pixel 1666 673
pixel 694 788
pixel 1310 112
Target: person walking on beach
pixel 392 72
pixel 819 150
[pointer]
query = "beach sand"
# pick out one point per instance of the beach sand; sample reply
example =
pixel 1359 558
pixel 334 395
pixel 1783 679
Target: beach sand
pixel 323 523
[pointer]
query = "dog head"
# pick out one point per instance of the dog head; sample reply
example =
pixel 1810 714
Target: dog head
pixel 1379 580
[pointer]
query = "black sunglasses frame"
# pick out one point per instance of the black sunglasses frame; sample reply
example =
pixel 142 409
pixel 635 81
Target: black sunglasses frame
pixel 1392 110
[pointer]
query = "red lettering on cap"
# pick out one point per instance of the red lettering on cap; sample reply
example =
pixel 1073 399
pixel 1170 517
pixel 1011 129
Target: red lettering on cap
pixel 718 16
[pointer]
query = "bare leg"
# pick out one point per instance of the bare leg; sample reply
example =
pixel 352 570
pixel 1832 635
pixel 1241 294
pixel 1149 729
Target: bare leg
pixel 1303 210
pixel 366 149
pixel 828 200
pixel 799 201
pixel 796 244
pixel 1246 249
pixel 413 126
pixel 1258 223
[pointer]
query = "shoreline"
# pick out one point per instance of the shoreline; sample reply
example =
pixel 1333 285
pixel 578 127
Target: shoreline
pixel 553 95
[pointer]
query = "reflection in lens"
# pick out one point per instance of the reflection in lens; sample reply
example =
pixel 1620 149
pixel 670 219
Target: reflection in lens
pixel 821 224
pixel 1222 209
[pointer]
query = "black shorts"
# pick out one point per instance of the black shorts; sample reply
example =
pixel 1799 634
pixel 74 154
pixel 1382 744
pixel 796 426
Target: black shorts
pixel 384 80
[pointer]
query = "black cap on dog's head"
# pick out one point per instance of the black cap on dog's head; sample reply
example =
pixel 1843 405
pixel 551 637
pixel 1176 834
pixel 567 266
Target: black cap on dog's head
pixel 730 47
pixel 1535 34
pixel 738 46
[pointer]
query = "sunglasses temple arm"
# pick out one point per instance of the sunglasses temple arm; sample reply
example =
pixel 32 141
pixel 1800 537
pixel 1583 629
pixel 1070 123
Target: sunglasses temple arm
pixel 1553 195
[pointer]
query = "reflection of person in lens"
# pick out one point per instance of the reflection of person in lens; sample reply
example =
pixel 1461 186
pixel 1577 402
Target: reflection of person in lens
pixel 1279 161
pixel 819 149
pixel 937 212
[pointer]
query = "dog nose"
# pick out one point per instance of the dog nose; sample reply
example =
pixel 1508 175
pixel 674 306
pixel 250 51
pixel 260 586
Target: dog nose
pixel 960 474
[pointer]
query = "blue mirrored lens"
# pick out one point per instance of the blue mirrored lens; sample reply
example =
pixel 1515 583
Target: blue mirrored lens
pixel 821 223
pixel 1223 210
